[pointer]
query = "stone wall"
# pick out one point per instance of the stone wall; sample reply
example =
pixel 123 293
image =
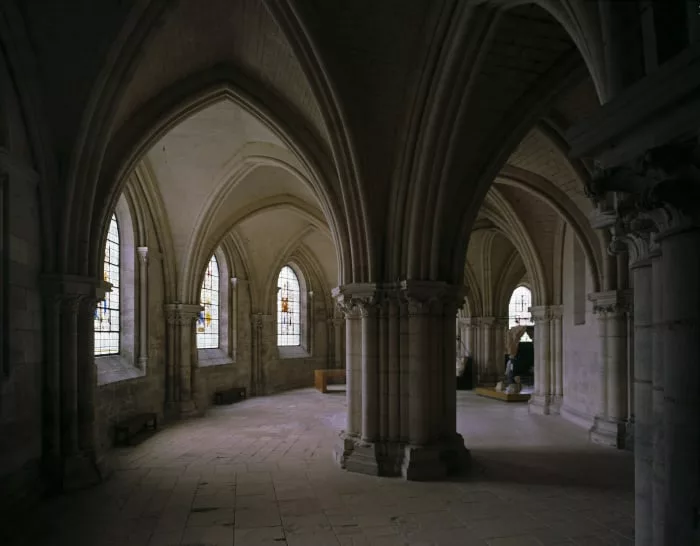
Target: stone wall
pixel 581 361
pixel 21 345
pixel 144 391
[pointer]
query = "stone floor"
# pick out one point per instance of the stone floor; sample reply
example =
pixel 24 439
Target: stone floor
pixel 260 473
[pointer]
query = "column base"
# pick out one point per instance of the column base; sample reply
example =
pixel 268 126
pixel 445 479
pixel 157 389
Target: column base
pixel 539 404
pixel 394 459
pixel 607 432
pixel 188 408
pixel 555 404
pixel 81 470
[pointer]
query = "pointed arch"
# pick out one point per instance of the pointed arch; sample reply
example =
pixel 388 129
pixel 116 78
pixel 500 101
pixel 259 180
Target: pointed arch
pixel 208 321
pixel 519 306
pixel 288 308
pixel 108 312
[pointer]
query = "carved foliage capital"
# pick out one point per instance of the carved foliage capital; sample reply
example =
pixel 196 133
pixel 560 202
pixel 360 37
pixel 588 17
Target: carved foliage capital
pixel 142 252
pixel 611 302
pixel 181 313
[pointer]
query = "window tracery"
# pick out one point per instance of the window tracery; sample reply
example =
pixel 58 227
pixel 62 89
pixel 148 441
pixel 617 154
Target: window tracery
pixel 107 313
pixel 208 320
pixel 288 308
pixel 519 309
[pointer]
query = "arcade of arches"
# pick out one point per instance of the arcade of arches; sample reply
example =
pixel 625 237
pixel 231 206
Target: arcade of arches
pixel 197 196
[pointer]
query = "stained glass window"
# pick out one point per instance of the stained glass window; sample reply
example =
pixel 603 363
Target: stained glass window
pixel 519 309
pixel 107 316
pixel 288 308
pixel 208 320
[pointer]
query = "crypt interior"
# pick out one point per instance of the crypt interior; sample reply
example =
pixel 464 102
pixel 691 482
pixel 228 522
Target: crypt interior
pixel 326 273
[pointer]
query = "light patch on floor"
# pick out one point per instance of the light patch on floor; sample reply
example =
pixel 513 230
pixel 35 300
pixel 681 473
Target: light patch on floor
pixel 261 473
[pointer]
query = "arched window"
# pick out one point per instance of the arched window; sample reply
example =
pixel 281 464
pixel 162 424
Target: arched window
pixel 208 321
pixel 288 308
pixel 519 309
pixel 107 312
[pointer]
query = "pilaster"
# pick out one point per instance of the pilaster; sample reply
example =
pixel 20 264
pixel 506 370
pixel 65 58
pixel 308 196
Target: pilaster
pixel 542 397
pixel 612 418
pixel 653 200
pixel 142 253
pixel 71 459
pixel 182 350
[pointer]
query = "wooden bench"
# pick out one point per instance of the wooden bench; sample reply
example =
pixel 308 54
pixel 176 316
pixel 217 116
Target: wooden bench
pixel 126 430
pixel 321 378
pixel 229 396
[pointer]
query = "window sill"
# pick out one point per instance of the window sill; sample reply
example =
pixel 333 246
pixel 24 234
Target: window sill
pixel 116 368
pixel 213 357
pixel 287 352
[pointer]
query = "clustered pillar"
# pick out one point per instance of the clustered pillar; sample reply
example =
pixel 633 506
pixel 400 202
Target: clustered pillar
pixel 663 242
pixel 182 347
pixel 549 387
pixel 612 414
pixel 401 380
pixel 70 453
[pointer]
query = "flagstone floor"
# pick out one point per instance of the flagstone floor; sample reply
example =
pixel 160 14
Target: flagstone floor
pixel 261 473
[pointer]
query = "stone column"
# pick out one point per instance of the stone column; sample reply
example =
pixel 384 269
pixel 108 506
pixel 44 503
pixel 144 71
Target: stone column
pixel 540 400
pixel 657 386
pixel 182 347
pixel 263 327
pixel 370 371
pixel 353 367
pixel 143 308
pixel 69 374
pixel 338 343
pixel 87 374
pixel 679 239
pixel 72 388
pixel 640 265
pixel 488 373
pixel 557 380
pixel 611 419
pixel 408 350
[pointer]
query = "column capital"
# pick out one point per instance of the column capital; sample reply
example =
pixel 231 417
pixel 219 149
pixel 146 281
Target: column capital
pixel 142 252
pixel 658 191
pixel 545 313
pixel 181 313
pixel 238 282
pixel 611 302
pixel 355 299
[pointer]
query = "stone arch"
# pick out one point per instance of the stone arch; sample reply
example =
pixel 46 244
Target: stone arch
pixel 435 229
pixel 22 117
pixel 359 264
pixel 572 215
pixel 473 297
pixel 241 166
pixel 506 283
pixel 283 202
pixel 308 272
pixel 148 203
pixel 156 117
pixel 515 231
